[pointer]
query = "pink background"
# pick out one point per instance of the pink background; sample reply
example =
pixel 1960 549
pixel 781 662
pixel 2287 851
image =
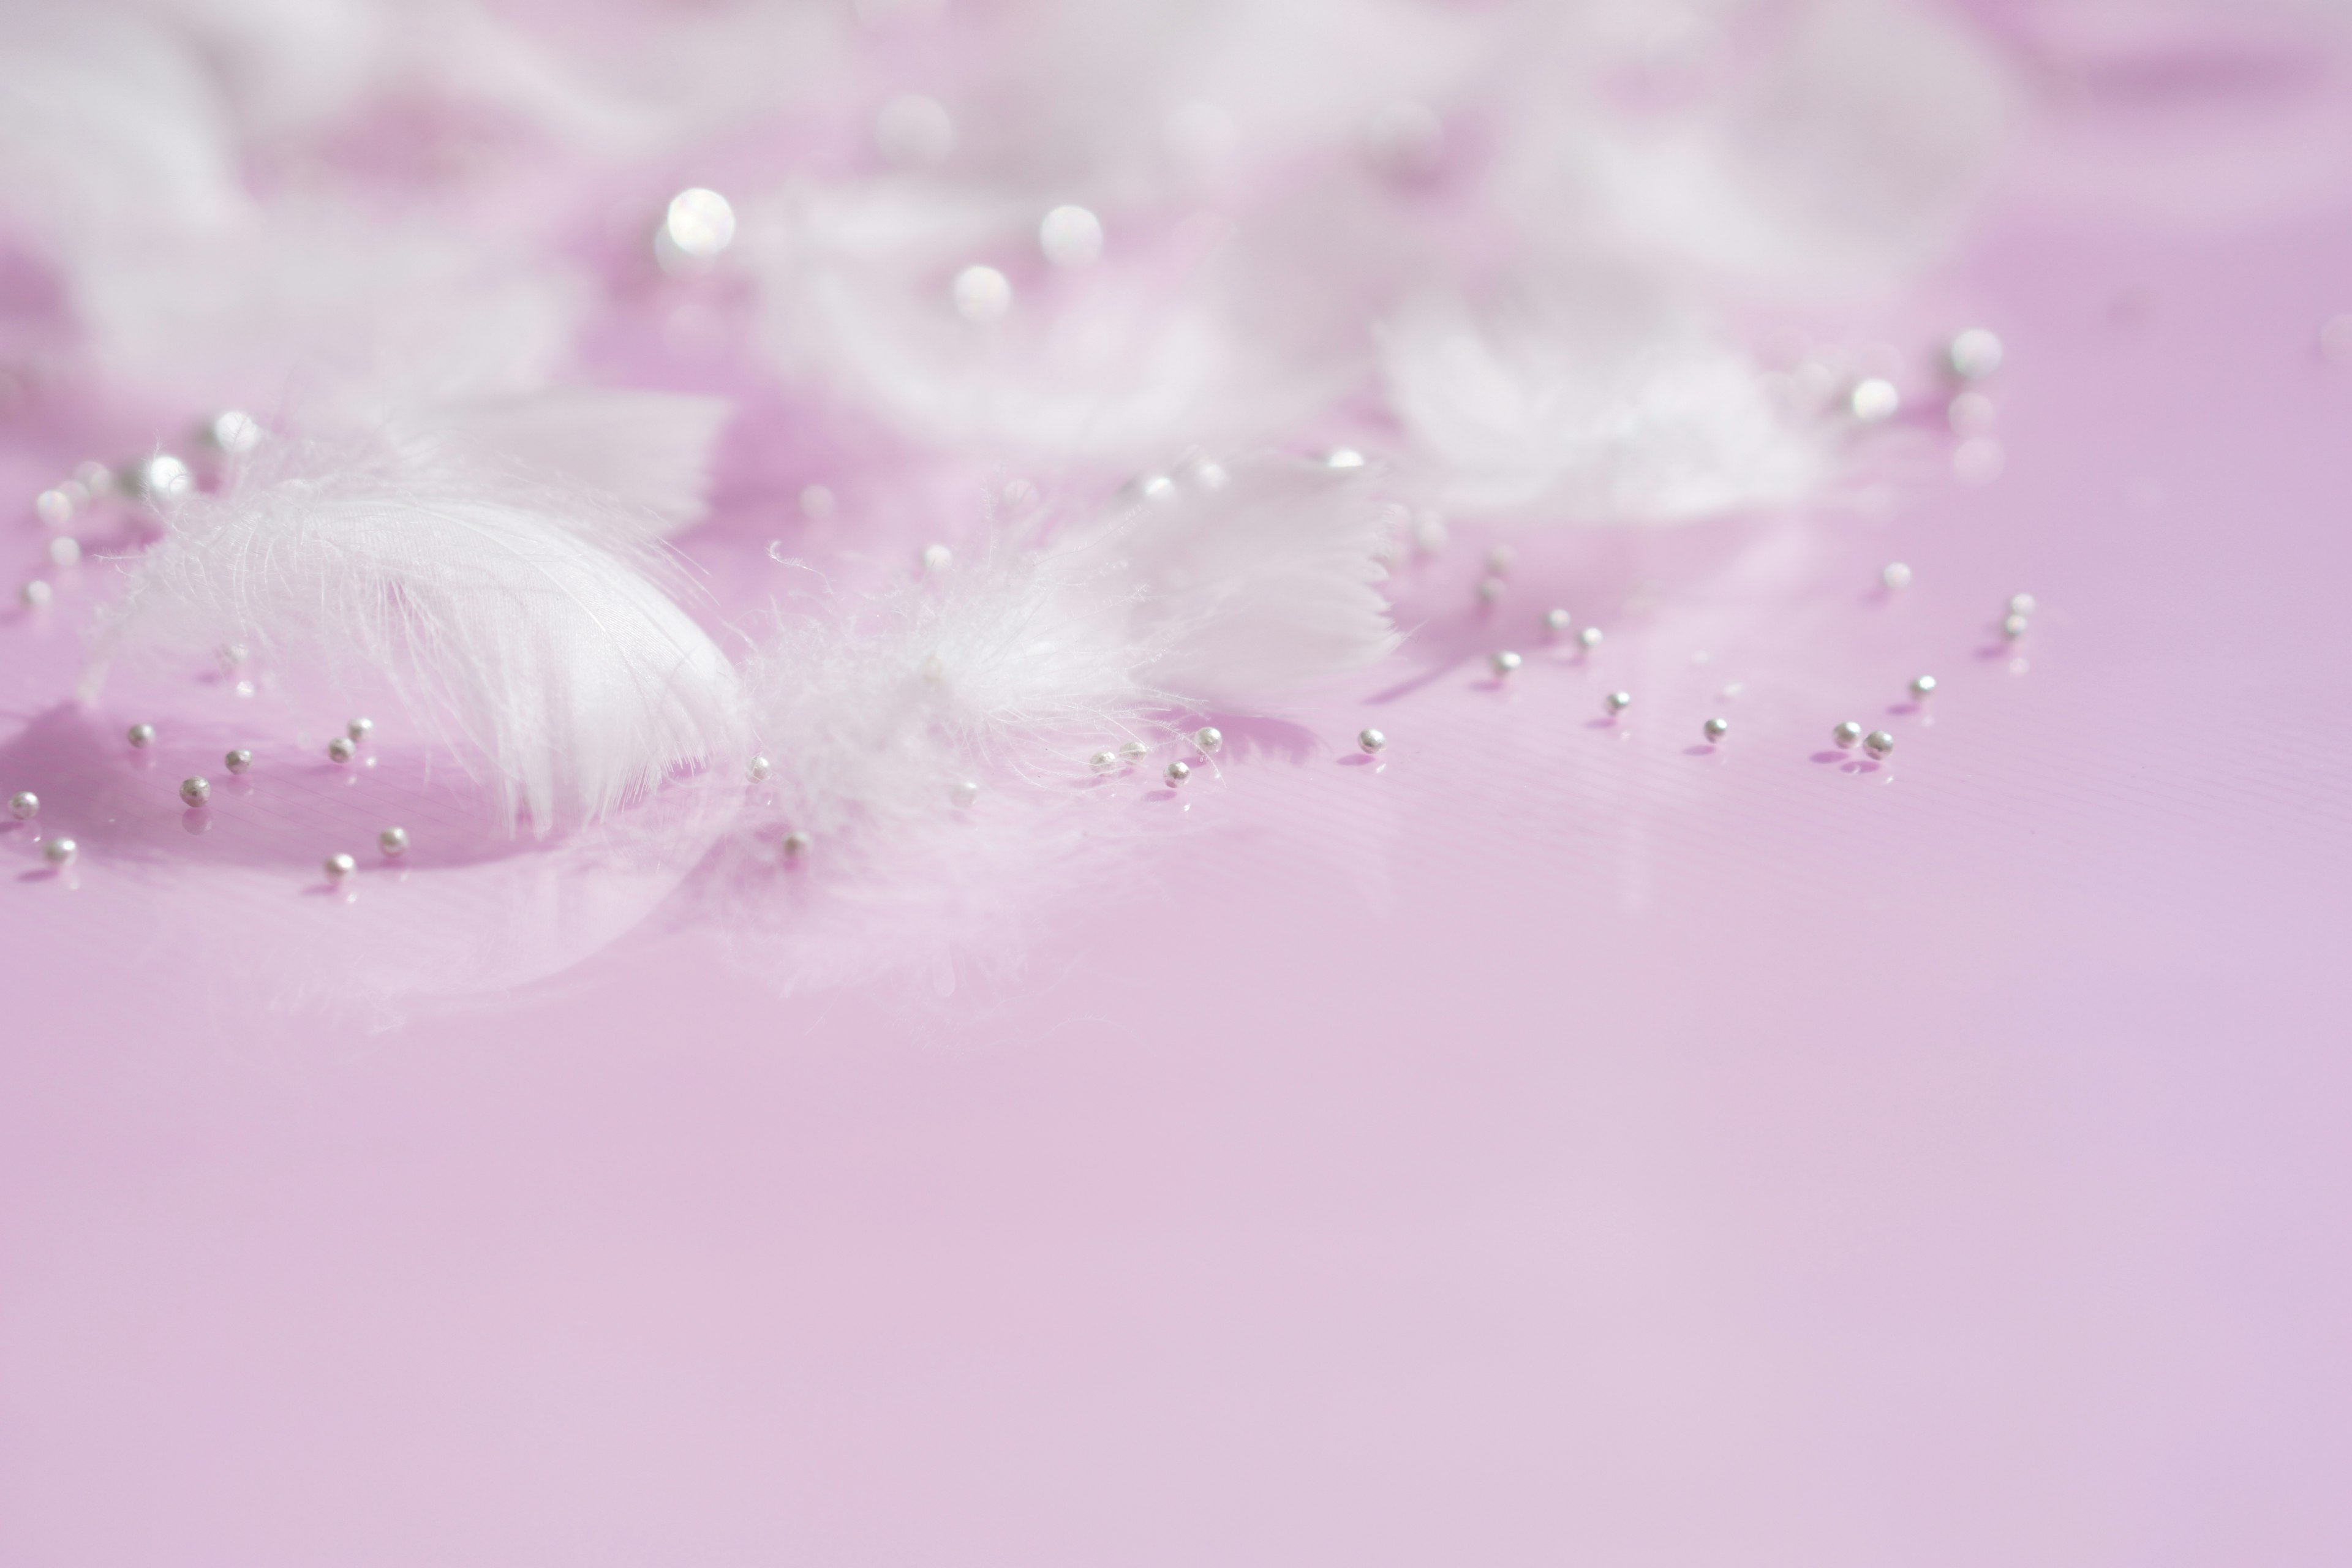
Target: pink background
pixel 1548 1146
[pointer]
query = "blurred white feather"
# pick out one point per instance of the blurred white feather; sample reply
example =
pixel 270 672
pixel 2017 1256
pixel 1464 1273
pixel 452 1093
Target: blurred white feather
pixel 519 625
pixel 650 451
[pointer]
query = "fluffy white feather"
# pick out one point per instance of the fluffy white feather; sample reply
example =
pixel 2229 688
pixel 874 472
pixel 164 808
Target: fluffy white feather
pixel 651 451
pixel 517 625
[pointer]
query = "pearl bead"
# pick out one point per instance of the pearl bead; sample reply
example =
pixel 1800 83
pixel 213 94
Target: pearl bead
pixel 1878 742
pixel 758 769
pixel 1489 590
pixel 797 844
pixel 339 749
pixel 1589 637
pixel 358 729
pixel 914 133
pixel 35 594
pixel 816 500
pixel 142 735
pixel 1556 621
pixel 934 667
pixel 1924 686
pixel 1973 355
pixel 1875 399
pixel 2020 603
pixel 697 226
pixel 2013 627
pixel 160 479
pixel 1501 559
pixel 24 805
pixel 1343 457
pixel 392 842
pixel 1716 729
pixel 65 551
pixel 1103 762
pixel 966 792
pixel 196 791
pixel 937 558
pixel 1620 701
pixel 1846 734
pixel 236 762
pixel 337 866
pixel 1134 751
pixel 1896 575
pixel 60 851
pixel 982 295
pixel 1208 737
pixel 54 508
pixel 1178 772
pixel 1070 237
pixel 1371 741
pixel 1504 662
pixel 232 433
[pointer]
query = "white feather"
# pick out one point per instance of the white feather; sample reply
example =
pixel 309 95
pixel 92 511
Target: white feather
pixel 515 624
pixel 652 451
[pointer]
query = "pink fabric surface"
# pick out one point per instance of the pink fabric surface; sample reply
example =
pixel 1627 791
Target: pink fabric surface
pixel 1552 1144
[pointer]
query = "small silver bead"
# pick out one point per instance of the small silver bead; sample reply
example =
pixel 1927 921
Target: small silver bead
pixel 142 735
pixel 1878 742
pixel 1589 637
pixel 358 729
pixel 1846 734
pixel 236 762
pixel 339 749
pixel 937 558
pixel 160 479
pixel 758 769
pixel 1178 772
pixel 1896 575
pixel 196 790
pixel 1134 751
pixel 1371 741
pixel 1208 737
pixel 65 550
pixel 24 805
pixel 60 851
pixel 1556 621
pixel 1505 662
pixel 1343 457
pixel 1501 559
pixel 54 508
pixel 1875 399
pixel 1103 762
pixel 2020 603
pixel 1489 590
pixel 338 867
pixel 1924 686
pixel 232 433
pixel 1716 729
pixel 1620 701
pixel 1973 355
pixel 2013 627
pixel 797 844
pixel 392 842
pixel 966 792
pixel 35 594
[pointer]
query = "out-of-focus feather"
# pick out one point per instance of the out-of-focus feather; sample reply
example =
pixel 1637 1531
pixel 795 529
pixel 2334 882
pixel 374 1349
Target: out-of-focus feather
pixel 515 624
pixel 651 451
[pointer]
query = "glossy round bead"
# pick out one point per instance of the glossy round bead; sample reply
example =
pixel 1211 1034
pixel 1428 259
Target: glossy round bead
pixel 59 851
pixel 1878 742
pixel 982 295
pixel 2013 627
pixel 54 508
pixel 1589 637
pixel 1556 621
pixel 1620 701
pixel 24 805
pixel 758 769
pixel 1489 590
pixel 1716 729
pixel 1896 575
pixel 698 224
pixel 232 433
pixel 238 760
pixel 196 791
pixel 1134 751
pixel 1343 457
pixel 966 792
pixel 160 479
pixel 1501 559
pixel 1371 741
pixel 1070 237
pixel 1973 355
pixel 1178 772
pixel 1208 737
pixel 140 735
pixel 337 866
pixel 358 729
pixel 1846 734
pixel 65 551
pixel 392 842
pixel 1505 662
pixel 1103 762
pixel 1875 399
pixel 339 749
pixel 1924 686
pixel 35 594
pixel 797 844
pixel 2020 603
